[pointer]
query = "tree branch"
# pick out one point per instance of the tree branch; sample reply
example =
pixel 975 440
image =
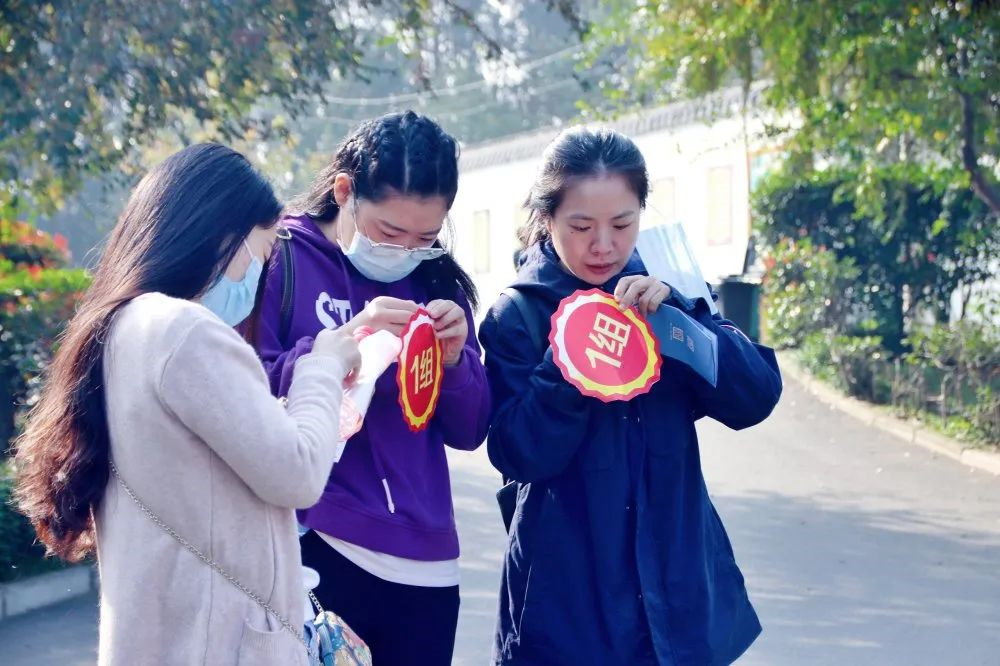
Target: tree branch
pixel 494 49
pixel 983 188
pixel 970 160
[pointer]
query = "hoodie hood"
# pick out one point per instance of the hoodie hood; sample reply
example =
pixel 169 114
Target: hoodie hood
pixel 308 231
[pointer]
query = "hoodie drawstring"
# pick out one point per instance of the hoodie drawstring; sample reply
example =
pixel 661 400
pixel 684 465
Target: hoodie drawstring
pixel 388 496
pixel 380 471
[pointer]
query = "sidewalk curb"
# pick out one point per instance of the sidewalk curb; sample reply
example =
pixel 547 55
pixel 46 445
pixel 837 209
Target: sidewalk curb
pixel 45 589
pixel 913 433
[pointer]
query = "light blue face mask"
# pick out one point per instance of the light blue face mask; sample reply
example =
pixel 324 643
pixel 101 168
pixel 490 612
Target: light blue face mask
pixel 233 301
pixel 385 262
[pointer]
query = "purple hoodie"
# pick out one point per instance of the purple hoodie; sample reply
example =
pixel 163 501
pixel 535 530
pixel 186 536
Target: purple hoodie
pixel 355 505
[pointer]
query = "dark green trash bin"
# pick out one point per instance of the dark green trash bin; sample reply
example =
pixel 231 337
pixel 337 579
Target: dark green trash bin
pixel 739 302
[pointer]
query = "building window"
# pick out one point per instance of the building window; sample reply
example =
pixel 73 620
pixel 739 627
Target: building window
pixel 481 241
pixel 719 229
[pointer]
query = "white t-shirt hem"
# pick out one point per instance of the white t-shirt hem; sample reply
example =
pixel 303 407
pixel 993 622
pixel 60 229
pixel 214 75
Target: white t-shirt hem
pixel 400 570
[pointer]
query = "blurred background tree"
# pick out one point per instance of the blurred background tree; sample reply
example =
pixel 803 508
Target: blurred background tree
pixel 94 91
pixel 880 224
pixel 861 82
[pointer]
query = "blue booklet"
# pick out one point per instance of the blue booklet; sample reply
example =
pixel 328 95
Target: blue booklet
pixel 684 339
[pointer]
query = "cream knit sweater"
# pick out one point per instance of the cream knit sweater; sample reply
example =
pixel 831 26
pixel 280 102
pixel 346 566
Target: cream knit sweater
pixel 197 435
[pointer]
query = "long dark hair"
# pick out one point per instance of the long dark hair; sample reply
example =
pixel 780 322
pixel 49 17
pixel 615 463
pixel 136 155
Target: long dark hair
pixel 397 154
pixel 183 224
pixel 575 154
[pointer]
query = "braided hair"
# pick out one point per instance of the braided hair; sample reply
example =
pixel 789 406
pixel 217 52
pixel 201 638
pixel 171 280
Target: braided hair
pixel 397 154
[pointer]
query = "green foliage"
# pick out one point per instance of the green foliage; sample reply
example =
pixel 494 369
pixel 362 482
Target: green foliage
pixel 950 379
pixel 20 554
pixel 806 289
pixel 815 355
pixel 859 361
pixel 966 358
pixel 873 82
pixel 970 345
pixel 854 363
pixel 835 288
pixel 440 72
pixel 37 296
pixel 85 84
pixel 926 239
pixel 25 247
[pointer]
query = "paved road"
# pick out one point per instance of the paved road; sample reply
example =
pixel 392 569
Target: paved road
pixel 857 548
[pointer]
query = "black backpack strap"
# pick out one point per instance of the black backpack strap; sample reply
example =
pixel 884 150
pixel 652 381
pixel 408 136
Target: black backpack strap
pixel 288 292
pixel 507 495
pixel 529 314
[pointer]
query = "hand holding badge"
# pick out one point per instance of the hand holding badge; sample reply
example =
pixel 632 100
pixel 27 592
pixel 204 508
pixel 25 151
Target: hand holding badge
pixel 420 359
pixel 421 369
pixel 604 352
pixel 614 355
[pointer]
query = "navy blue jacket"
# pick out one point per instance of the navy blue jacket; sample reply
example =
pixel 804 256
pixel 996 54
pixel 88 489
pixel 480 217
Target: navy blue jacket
pixel 616 554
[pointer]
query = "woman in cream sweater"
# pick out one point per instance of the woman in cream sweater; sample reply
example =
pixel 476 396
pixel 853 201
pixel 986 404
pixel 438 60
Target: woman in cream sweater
pixel 153 393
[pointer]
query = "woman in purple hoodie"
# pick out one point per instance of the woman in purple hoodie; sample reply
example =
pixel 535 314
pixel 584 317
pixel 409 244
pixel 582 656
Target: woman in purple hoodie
pixel 362 248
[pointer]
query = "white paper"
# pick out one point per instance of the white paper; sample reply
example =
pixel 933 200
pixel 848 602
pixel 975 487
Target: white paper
pixel 378 351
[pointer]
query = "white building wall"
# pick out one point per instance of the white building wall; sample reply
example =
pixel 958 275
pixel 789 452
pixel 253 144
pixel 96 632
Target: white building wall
pixel 699 177
pixel 499 190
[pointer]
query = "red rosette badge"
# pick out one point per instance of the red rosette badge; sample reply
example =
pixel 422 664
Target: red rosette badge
pixel 604 352
pixel 421 368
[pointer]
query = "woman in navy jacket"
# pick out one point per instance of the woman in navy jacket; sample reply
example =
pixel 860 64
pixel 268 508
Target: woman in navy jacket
pixel 616 554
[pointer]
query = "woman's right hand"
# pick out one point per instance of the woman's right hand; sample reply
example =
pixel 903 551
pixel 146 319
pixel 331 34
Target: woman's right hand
pixel 339 344
pixel 384 314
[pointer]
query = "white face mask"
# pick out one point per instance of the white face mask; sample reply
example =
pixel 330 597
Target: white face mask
pixel 384 262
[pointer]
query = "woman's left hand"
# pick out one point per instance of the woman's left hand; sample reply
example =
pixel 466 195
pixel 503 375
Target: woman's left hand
pixel 646 292
pixel 451 327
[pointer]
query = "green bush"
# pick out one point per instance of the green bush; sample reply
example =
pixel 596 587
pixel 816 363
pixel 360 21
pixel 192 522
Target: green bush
pixel 857 364
pixel 38 295
pixel 928 235
pixel 960 367
pixel 857 263
pixel 806 289
pixel 25 246
pixel 815 355
pixel 20 555
pixel 860 363
pixel 950 379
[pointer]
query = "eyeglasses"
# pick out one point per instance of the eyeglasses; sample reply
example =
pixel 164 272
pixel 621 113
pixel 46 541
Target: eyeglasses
pixel 389 249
